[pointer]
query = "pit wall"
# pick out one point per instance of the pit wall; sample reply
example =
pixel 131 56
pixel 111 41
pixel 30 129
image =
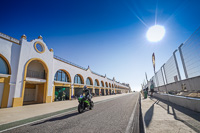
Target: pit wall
pixel 189 85
pixel 187 102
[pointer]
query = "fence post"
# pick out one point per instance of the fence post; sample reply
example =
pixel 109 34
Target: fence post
pixel 162 74
pixel 182 60
pixel 157 82
pixel 174 54
pixel 164 80
pixel 165 73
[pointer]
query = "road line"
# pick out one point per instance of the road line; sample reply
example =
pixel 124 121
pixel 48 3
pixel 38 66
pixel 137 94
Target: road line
pixel 130 123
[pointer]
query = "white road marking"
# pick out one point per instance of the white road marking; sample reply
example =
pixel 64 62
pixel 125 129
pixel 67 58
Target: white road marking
pixel 129 126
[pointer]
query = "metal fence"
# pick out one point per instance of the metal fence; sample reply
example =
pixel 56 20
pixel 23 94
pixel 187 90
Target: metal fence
pixel 36 74
pixel 170 70
pixel 190 53
pixel 160 78
pixel 169 74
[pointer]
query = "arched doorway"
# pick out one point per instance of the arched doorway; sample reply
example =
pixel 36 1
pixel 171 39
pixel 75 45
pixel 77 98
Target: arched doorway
pixel 35 82
pixel 89 84
pixel 62 86
pixel 96 85
pixel 78 85
pixel 102 88
pixel 5 71
pixel 4 67
pixel 106 90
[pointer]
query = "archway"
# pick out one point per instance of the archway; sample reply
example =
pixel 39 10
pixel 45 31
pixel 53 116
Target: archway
pixel 106 84
pixel 61 90
pixel 102 88
pixel 4 65
pixel 78 85
pixel 96 84
pixel 102 84
pixel 5 69
pixel 35 85
pixel 89 84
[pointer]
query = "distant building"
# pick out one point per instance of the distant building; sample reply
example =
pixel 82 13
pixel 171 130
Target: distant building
pixel 30 73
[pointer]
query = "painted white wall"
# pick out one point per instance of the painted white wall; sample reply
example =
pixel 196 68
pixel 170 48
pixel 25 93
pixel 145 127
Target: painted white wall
pixel 11 52
pixel 28 52
pixel 19 55
pixel 72 70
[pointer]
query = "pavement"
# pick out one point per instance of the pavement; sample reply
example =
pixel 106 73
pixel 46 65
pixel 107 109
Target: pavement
pixel 164 117
pixel 111 115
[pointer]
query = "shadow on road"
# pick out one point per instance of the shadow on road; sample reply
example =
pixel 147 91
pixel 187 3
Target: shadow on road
pixel 186 116
pixel 149 114
pixel 57 118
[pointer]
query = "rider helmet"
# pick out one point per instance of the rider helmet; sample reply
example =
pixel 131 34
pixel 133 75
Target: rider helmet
pixel 85 88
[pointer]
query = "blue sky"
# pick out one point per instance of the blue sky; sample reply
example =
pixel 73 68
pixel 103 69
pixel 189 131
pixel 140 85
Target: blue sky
pixel 107 35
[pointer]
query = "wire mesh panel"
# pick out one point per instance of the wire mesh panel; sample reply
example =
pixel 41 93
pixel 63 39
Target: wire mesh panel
pixel 191 54
pixel 160 78
pixel 154 81
pixel 171 71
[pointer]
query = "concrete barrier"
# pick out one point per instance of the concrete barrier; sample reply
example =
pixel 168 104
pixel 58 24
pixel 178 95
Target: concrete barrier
pixel 187 102
pixel 191 85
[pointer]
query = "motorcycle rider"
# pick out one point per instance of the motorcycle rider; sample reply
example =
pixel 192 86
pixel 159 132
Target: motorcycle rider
pixel 87 93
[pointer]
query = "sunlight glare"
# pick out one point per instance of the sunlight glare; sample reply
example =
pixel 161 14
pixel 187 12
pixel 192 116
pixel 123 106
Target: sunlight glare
pixel 155 33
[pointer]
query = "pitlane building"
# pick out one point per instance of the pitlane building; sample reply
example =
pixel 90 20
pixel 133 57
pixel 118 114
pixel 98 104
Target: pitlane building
pixel 30 73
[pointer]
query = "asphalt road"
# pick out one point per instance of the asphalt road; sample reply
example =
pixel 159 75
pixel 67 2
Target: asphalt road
pixel 106 117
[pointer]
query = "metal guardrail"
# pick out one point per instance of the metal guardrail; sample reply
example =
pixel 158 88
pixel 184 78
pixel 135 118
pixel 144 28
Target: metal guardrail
pixel 36 74
pixel 97 74
pixel 4 36
pixel 109 78
pixel 68 62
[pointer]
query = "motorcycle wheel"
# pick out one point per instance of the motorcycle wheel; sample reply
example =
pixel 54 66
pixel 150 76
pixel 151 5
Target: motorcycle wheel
pixel 80 109
pixel 92 105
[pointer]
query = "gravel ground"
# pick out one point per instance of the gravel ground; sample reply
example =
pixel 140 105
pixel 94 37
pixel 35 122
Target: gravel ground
pixel 106 117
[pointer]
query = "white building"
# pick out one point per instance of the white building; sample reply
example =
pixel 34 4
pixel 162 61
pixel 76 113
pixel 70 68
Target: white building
pixel 31 73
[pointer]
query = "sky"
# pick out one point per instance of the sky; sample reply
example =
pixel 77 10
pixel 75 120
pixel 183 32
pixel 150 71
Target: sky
pixel 107 35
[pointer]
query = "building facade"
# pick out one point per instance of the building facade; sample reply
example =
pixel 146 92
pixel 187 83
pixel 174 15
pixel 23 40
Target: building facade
pixel 30 73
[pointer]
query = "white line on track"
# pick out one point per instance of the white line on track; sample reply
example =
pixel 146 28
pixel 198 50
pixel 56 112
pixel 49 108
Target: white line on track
pixel 129 126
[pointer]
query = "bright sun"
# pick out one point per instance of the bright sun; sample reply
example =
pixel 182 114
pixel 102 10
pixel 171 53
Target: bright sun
pixel 155 33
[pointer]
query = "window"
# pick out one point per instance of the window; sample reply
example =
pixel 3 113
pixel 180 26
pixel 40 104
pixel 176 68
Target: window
pixel 88 82
pixel 77 79
pixel 3 67
pixel 106 84
pixel 102 85
pixel 39 47
pixel 61 76
pixel 95 83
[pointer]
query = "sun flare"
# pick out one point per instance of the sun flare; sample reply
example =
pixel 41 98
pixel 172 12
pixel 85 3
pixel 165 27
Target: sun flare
pixel 155 33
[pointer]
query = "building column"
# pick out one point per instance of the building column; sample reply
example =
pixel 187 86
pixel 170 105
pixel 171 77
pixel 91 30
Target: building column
pixel 99 91
pixel 6 90
pixel 72 91
pixel 93 90
pixel 53 95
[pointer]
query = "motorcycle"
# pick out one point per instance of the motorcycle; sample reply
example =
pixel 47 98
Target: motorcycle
pixel 84 103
